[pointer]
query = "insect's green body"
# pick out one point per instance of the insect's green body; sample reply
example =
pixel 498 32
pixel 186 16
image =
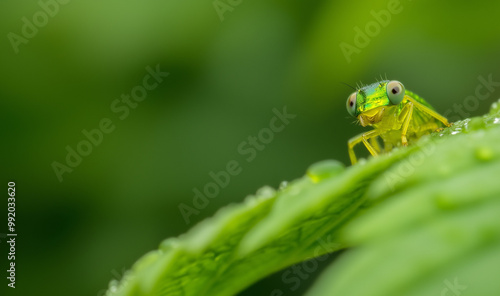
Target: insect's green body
pixel 398 117
pixel 419 125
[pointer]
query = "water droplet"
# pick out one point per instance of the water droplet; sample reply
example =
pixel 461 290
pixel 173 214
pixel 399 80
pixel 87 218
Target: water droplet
pixel 113 286
pixel 168 244
pixel 484 153
pixel 475 123
pixel 495 107
pixel 324 169
pixel 445 201
pixel 363 161
pixel 265 192
pixel 283 185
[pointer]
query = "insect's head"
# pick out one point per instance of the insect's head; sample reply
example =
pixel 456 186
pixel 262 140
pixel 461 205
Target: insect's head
pixel 368 103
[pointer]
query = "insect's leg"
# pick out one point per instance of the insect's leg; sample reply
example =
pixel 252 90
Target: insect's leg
pixel 374 143
pixel 368 136
pixel 362 138
pixel 429 111
pixel 406 113
pixel 350 147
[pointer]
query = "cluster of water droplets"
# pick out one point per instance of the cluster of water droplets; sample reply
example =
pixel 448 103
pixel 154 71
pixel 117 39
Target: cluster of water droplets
pixel 474 124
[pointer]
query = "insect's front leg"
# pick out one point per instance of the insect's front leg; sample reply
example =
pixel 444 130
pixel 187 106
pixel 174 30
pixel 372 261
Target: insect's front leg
pixel 362 138
pixel 375 144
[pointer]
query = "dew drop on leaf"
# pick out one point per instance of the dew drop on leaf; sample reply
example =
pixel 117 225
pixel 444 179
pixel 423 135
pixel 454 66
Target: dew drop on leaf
pixel 283 185
pixel 484 153
pixel 324 169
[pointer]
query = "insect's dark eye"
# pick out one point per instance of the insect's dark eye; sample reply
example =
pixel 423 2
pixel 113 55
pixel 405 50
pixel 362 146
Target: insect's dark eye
pixel 395 92
pixel 351 104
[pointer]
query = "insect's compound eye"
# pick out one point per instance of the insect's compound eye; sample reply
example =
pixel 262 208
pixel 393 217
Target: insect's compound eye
pixel 351 104
pixel 395 91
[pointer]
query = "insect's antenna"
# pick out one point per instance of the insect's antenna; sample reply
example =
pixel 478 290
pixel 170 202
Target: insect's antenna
pixel 348 85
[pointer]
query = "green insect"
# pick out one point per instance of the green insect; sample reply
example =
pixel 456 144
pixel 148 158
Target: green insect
pixel 399 117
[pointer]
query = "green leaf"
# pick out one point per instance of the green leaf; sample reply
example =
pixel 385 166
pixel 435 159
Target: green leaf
pixel 419 217
pixel 437 230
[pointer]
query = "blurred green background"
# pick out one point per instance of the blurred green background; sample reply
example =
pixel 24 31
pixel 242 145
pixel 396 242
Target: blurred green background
pixel 228 70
